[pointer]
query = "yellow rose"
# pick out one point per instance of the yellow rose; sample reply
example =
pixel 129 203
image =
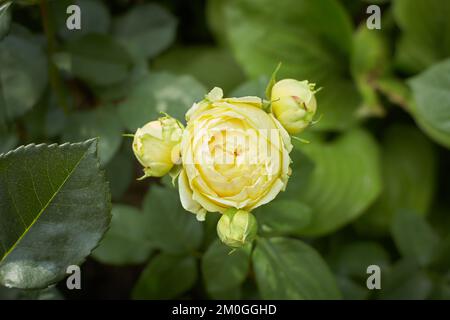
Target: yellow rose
pixel 293 104
pixel 156 146
pixel 234 155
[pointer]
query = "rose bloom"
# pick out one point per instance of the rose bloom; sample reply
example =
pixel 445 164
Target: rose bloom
pixel 234 155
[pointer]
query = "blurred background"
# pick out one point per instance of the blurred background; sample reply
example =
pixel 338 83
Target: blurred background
pixel 372 187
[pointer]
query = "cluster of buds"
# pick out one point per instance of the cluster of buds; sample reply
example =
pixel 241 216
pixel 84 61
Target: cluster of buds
pixel 234 189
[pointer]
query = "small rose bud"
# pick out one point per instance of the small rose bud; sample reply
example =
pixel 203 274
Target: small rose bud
pixel 157 146
pixel 293 104
pixel 237 228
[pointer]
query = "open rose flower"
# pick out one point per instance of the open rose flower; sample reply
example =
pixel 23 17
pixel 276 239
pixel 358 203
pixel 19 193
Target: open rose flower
pixel 234 155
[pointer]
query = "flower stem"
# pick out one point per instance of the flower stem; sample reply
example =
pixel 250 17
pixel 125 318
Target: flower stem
pixel 55 78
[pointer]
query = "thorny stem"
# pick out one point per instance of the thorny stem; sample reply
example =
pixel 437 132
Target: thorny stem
pixel 55 78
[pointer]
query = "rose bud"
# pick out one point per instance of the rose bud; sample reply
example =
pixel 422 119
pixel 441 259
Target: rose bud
pixel 236 228
pixel 293 104
pixel 157 146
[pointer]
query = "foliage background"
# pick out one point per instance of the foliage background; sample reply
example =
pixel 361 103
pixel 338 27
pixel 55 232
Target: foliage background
pixel 371 188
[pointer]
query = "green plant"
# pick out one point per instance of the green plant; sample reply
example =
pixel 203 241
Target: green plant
pixel 371 187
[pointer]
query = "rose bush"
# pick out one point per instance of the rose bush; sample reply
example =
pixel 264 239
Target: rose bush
pixel 369 189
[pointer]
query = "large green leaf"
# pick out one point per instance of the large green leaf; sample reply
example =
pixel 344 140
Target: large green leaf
pixel 409 172
pixel 431 91
pixel 5 19
pixel 166 277
pixel 23 74
pixel 146 30
pixel 127 241
pixel 103 123
pixel 160 92
pixel 55 208
pixel 414 237
pixel 344 182
pixel 425 27
pixel 170 227
pixel 290 269
pixel 224 270
pixel 311 38
pixel 99 60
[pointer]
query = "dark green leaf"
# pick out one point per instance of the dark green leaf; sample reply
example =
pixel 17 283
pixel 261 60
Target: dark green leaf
pixel 210 229
pixel 23 69
pixel 283 217
pixel 103 123
pixel 423 24
pixel 431 90
pixel 99 60
pixel 126 242
pixel 223 270
pixel 52 197
pixel 344 182
pixel 302 168
pixel 166 277
pixel 409 172
pixel 159 92
pixel 290 269
pixel 308 37
pixel 146 30
pixel 413 236
pixel 171 228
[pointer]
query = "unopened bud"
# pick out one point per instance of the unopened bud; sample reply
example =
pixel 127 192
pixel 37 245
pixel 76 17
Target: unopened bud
pixel 237 228
pixel 156 146
pixel 293 104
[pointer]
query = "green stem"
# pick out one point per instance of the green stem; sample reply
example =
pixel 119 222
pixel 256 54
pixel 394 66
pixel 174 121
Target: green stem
pixel 55 78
